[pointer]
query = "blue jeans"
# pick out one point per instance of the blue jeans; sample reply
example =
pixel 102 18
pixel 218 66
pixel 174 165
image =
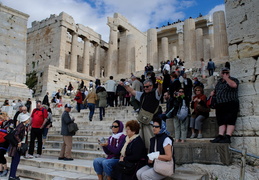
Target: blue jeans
pixel 104 165
pixel 91 108
pixel 102 112
pixel 14 164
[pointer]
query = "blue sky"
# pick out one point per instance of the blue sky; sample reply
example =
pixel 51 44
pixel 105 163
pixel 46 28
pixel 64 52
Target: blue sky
pixel 143 14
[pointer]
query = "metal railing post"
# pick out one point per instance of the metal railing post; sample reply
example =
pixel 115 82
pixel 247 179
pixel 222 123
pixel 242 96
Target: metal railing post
pixel 243 164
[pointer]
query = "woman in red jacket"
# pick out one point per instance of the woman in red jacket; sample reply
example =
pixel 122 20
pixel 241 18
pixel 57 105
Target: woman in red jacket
pixel 79 100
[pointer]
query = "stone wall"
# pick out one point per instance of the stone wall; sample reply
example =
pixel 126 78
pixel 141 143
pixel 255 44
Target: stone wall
pixel 13 53
pixel 243 38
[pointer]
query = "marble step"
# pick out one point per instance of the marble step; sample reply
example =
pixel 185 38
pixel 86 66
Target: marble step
pixel 76 154
pixel 91 139
pixel 76 145
pixel 51 174
pixel 51 162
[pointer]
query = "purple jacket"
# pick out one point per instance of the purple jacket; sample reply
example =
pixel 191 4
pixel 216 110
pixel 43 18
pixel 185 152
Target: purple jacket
pixel 115 145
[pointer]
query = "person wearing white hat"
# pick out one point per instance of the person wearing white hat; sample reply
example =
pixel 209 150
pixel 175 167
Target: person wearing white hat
pixel 14 153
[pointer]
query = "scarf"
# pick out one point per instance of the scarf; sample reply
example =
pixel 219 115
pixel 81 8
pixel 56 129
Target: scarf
pixel 128 140
pixel 115 137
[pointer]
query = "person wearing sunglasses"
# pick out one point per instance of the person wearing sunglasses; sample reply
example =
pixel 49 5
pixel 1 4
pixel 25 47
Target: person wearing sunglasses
pixel 149 105
pixel 180 115
pixel 133 153
pixel 198 114
pixel 227 107
pixel 112 148
pixel 161 143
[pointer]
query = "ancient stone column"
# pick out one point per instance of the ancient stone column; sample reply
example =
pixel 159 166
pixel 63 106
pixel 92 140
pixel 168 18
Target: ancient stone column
pixel 189 43
pixel 220 35
pixel 130 54
pixel 112 61
pixel 63 46
pixel 179 31
pixel 211 36
pixel 97 65
pixel 152 51
pixel 164 43
pixel 206 53
pixel 73 65
pixel 86 57
pixel 174 52
pixel 199 44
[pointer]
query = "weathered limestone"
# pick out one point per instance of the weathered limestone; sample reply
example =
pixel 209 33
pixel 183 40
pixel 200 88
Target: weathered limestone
pixel 220 36
pixel 152 51
pixel 130 56
pixel 112 59
pixel 60 42
pixel 206 54
pixel 73 58
pixel 164 42
pixel 13 53
pixel 242 29
pixel 86 57
pixel 190 54
pixel 211 37
pixel 199 44
pixel 180 42
pixel 242 19
pixel 97 69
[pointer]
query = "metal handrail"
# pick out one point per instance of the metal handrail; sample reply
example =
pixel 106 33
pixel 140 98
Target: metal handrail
pixel 248 154
pixel 243 161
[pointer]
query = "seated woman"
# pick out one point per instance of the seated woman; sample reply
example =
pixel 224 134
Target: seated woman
pixel 164 146
pixel 112 148
pixel 198 115
pixel 133 152
pixel 180 115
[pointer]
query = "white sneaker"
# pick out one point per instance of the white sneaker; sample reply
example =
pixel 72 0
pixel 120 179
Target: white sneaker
pixel 193 136
pixel 29 156
pixel 37 156
pixel 199 136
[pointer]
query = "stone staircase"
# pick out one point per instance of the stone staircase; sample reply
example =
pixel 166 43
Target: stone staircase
pixel 85 149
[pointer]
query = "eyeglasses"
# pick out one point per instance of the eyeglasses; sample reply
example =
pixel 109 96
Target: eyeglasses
pixel 114 127
pixel 225 73
pixel 147 86
pixel 197 90
pixel 154 126
pixel 181 91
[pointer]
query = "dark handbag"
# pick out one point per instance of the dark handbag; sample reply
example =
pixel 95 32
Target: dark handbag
pixel 211 102
pixel 202 108
pixel 11 139
pixel 126 167
pixel 23 149
pixel 72 127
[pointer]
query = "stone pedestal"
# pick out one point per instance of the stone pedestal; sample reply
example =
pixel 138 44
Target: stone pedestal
pixel 164 43
pixel 189 43
pixel 152 52
pixel 220 36
pixel 73 65
pixel 130 54
pixel 86 57
pixel 112 60
pixel 199 44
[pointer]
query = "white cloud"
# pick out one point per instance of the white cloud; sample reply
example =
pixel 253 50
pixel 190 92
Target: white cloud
pixel 143 14
pixel 220 7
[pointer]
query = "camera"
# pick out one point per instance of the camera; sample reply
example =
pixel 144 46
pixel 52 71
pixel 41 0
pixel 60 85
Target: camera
pixel 102 140
pixel 176 93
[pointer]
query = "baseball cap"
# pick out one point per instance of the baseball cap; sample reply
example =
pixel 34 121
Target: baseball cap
pixel 68 106
pixel 225 69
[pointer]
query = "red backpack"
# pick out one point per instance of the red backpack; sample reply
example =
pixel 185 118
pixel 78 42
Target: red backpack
pixel 3 133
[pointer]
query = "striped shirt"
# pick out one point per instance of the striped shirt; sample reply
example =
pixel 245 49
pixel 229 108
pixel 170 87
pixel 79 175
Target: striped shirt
pixel 225 93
